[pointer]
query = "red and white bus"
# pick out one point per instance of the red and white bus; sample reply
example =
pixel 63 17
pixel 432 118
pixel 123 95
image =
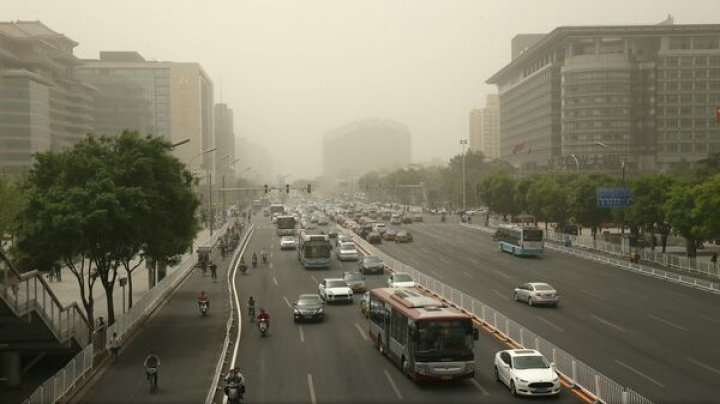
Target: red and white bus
pixel 425 338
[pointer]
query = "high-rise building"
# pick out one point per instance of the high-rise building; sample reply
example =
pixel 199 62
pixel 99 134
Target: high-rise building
pixel 168 99
pixel 255 163
pixel 604 97
pixel 225 141
pixel 43 105
pixel 369 145
pixel 485 128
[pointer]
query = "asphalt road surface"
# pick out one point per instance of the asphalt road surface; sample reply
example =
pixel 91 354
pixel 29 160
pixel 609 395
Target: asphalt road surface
pixel 653 336
pixel 334 361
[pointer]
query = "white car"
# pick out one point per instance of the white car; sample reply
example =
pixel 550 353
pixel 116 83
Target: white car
pixel 335 290
pixel 536 293
pixel 288 243
pixel 400 280
pixel 347 252
pixel 526 372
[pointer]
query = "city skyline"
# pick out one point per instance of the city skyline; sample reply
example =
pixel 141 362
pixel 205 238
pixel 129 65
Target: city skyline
pixel 293 71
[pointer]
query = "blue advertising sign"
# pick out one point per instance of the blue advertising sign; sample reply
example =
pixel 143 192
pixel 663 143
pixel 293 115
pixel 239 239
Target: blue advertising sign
pixel 614 197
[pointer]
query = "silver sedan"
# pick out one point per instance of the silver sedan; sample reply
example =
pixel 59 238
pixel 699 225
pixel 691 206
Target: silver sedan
pixel 537 293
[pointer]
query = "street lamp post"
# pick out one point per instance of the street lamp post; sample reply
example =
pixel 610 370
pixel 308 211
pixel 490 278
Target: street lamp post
pixel 577 163
pixel 207 172
pixel 223 180
pixel 463 142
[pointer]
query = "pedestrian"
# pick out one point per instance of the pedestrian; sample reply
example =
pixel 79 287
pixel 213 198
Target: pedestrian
pixel 213 271
pixel 713 259
pixel 13 281
pixel 114 346
pixel 56 269
pixel 100 323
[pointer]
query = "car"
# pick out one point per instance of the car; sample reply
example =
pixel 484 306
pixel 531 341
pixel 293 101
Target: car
pixel 403 236
pixel 389 235
pixel 309 307
pixel 335 290
pixel 417 218
pixel 288 243
pixel 526 372
pixel 380 228
pixel 343 238
pixel 537 293
pixel 371 264
pixel 400 280
pixel 347 252
pixel 374 238
pixel 365 304
pixel 332 233
pixel 356 280
pixel 407 220
pixel 395 219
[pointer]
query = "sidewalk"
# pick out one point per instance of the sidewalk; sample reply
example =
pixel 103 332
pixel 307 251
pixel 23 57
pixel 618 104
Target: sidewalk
pixel 68 290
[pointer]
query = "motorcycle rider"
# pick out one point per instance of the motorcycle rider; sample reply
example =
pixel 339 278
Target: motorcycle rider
pixel 152 361
pixel 251 308
pixel 234 377
pixel 203 299
pixel 264 255
pixel 264 316
pixel 243 266
pixel 254 259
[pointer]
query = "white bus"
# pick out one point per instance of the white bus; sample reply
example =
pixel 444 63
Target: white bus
pixel 314 250
pixel 520 240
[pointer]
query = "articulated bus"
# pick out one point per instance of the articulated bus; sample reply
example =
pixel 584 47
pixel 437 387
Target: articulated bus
pixel 285 225
pixel 425 338
pixel 519 240
pixel 314 250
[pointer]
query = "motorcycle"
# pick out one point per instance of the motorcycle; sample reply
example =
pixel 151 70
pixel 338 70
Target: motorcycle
pixel 234 393
pixel 254 262
pixel 263 327
pixel 264 256
pixel 243 268
pixel 152 379
pixel 203 308
pixel 442 218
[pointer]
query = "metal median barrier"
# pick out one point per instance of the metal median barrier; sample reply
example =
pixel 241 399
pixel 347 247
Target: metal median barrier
pixel 57 386
pixel 576 373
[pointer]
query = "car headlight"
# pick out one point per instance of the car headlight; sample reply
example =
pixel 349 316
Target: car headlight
pixel 556 377
pixel 521 380
pixel 319 311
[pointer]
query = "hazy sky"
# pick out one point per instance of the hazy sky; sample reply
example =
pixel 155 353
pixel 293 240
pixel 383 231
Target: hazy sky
pixel 292 70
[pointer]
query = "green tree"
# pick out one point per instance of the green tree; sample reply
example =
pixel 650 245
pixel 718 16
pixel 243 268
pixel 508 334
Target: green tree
pixel 681 211
pixel 548 200
pixel 95 207
pixel 498 193
pixel 583 203
pixel 11 200
pixel 650 193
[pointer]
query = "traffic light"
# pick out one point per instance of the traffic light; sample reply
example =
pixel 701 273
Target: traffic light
pixel 287 188
pixel 266 189
pixel 309 189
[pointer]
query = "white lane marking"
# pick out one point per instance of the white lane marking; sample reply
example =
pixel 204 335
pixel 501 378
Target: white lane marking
pixel 503 274
pixel 500 294
pixel 714 320
pixel 480 387
pixel 275 280
pixel 474 261
pixel 443 260
pixel 609 324
pixel 468 275
pixel 548 322
pixel 302 335
pixel 312 389
pixel 639 373
pixel 362 333
pixel 668 322
pixel 702 365
pixel 589 293
pixel 314 279
pixel 287 301
pixel 392 384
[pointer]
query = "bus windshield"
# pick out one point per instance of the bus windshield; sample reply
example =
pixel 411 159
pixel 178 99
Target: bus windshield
pixel 317 251
pixel 444 339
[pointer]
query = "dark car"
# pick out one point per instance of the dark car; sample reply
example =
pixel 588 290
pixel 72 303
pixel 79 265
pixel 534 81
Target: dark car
pixel 371 264
pixel 374 238
pixel 403 237
pixel 332 233
pixel 407 220
pixel 389 235
pixel 309 307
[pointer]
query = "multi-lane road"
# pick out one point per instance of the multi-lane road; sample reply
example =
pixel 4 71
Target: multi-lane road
pixel 333 361
pixel 658 338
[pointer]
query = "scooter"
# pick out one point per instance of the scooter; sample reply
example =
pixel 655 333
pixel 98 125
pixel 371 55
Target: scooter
pixel 263 327
pixel 203 308
pixel 243 268
pixel 152 379
pixel 233 392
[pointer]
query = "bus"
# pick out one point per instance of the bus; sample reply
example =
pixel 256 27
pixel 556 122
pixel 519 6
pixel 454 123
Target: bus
pixel 276 208
pixel 285 225
pixel 519 240
pixel 314 250
pixel 421 335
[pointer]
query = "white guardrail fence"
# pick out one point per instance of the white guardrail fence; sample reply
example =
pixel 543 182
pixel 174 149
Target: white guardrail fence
pixel 576 373
pixel 57 386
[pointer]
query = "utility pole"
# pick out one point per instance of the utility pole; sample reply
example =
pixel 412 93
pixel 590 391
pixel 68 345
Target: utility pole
pixel 463 142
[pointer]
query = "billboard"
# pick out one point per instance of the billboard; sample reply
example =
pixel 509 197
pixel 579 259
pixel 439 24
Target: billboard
pixel 614 197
